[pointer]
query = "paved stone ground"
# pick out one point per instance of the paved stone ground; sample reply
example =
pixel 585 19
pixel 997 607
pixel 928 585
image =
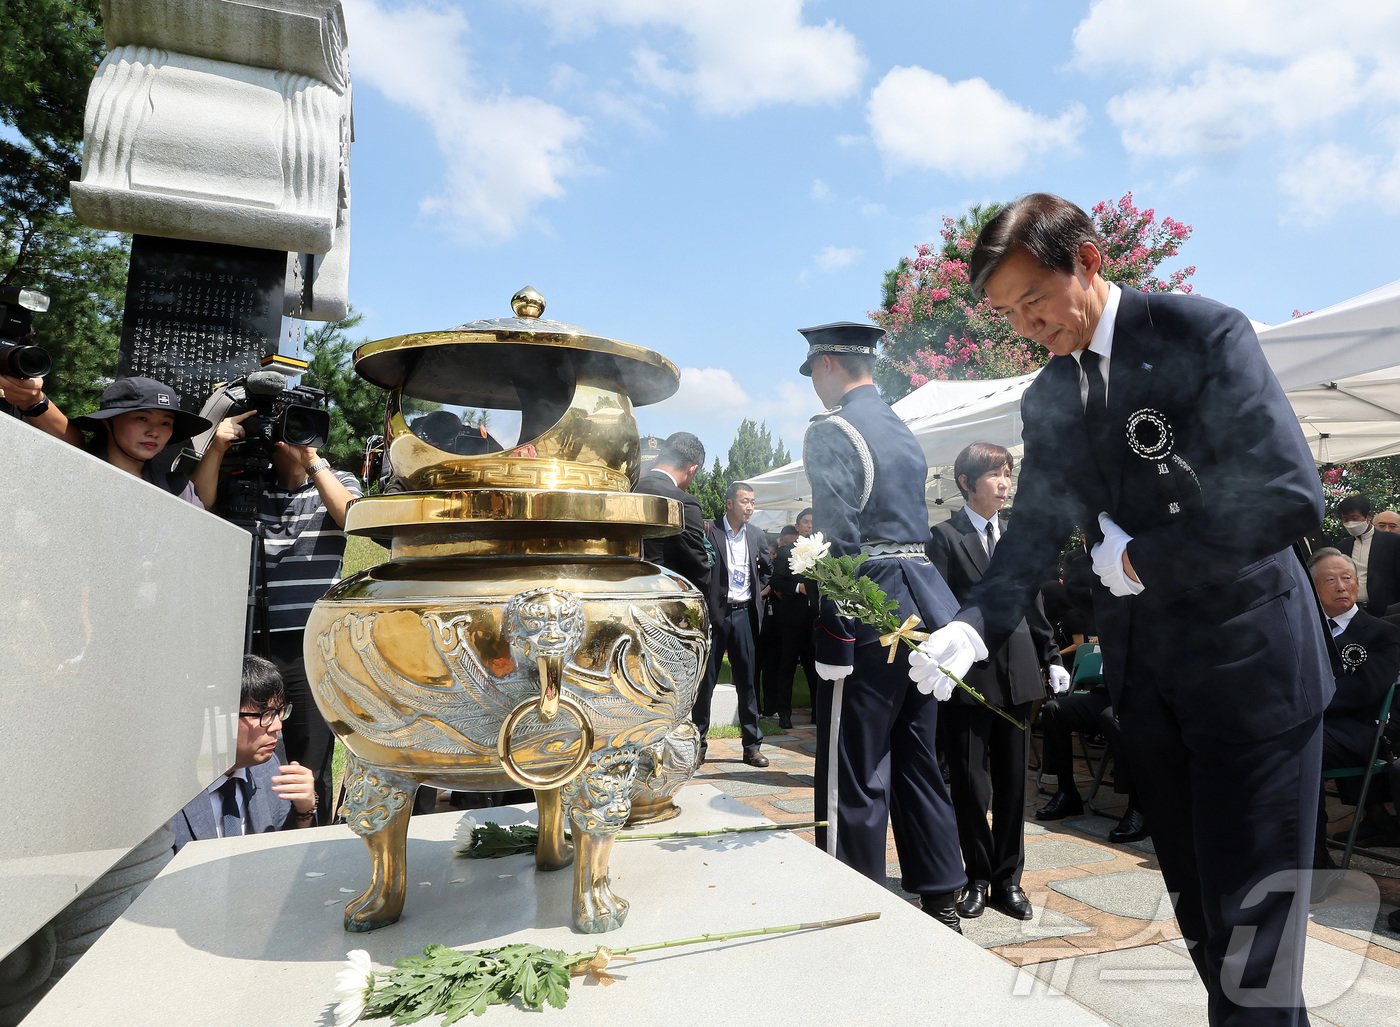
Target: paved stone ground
pixel 1103 931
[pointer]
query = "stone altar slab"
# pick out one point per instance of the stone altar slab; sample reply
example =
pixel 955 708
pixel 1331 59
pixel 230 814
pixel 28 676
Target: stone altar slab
pixel 261 916
pixel 120 650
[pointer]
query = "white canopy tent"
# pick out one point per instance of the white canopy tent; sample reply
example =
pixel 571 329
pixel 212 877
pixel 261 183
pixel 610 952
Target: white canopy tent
pixel 1340 367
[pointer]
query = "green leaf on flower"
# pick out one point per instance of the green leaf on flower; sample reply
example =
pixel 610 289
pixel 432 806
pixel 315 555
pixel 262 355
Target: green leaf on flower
pixel 492 841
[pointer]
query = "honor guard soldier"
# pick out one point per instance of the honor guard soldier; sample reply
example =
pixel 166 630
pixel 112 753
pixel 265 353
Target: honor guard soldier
pixel 1159 430
pixel 875 731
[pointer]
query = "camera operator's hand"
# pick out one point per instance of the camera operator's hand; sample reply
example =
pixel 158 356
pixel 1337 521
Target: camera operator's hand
pixel 205 476
pixel 334 494
pixel 28 394
pixel 297 785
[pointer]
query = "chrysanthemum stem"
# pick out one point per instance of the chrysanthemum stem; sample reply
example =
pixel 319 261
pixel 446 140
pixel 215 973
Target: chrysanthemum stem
pixel 818 925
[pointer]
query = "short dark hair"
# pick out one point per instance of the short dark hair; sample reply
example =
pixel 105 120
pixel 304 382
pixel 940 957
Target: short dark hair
pixel 856 365
pixel 804 512
pixel 979 458
pixel 680 450
pixel 788 529
pixel 262 683
pixel 1354 504
pixel 734 488
pixel 1049 228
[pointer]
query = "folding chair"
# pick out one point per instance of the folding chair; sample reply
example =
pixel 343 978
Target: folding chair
pixel 1366 773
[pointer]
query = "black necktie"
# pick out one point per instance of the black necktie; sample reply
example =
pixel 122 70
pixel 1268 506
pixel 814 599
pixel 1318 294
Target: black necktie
pixel 1332 625
pixel 1097 403
pixel 232 818
pixel 991 541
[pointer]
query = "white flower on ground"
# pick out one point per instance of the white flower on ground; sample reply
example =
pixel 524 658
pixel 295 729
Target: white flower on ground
pixel 353 983
pixel 807 551
pixel 466 828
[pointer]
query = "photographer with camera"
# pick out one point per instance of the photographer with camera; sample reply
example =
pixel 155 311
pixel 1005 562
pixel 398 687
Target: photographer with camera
pixel 297 514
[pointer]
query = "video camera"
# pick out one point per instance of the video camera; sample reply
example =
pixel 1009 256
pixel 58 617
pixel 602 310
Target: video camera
pixel 296 416
pixel 19 357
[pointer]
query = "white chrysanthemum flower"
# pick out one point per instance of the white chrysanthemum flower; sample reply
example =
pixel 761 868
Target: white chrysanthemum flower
pixel 353 983
pixel 807 551
pixel 466 827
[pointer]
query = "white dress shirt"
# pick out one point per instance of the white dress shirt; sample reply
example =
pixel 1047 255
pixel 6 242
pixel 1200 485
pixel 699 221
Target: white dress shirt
pixel 979 524
pixel 1101 343
pixel 737 546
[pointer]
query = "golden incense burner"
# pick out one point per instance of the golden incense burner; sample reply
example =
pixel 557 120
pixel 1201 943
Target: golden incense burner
pixel 515 637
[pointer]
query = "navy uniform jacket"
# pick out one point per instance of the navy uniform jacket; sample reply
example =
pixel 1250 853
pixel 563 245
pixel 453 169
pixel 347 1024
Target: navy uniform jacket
pixel 684 553
pixel 1011 674
pixel 1200 459
pixel 862 495
pixel 1365 665
pixel 265 810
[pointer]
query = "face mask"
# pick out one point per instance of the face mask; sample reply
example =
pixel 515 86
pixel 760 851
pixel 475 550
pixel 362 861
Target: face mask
pixel 1356 528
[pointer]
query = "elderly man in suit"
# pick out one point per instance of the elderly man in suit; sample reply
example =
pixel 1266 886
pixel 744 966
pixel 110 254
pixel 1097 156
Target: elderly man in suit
pixel 1159 430
pixel 735 599
pixel 876 763
pixel 256 794
pixel 1365 662
pixel 1376 552
pixel 986 752
pixel 687 553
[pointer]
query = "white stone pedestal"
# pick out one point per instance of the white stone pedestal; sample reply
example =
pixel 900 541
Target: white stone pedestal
pixel 248 930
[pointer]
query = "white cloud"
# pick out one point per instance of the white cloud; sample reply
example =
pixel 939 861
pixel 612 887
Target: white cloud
pixel 711 403
pixel 524 148
pixel 820 190
pixel 728 56
pixel 834 258
pixel 922 121
pixel 1317 184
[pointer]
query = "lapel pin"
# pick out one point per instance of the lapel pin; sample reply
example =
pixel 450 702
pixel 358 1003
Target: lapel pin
pixel 1146 366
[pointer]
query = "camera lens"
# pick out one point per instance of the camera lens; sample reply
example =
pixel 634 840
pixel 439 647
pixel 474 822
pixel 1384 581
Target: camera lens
pixel 20 361
pixel 305 426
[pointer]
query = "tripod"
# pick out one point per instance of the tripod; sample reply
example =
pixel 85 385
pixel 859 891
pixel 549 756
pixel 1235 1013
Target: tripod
pixel 255 626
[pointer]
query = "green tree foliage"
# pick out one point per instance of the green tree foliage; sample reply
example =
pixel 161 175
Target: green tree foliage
pixel 708 487
pixel 52 48
pixel 752 452
pixel 356 406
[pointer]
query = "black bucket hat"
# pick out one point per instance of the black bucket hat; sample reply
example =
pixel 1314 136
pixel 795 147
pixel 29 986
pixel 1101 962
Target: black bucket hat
pixel 841 337
pixel 129 394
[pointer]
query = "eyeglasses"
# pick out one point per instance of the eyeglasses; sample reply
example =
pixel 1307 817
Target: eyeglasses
pixel 267 716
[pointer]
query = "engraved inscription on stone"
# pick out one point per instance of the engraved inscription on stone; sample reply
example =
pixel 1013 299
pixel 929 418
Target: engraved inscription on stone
pixel 199 313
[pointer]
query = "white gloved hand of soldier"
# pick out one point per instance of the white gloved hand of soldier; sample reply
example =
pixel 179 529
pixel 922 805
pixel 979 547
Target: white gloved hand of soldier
pixel 1108 559
pixel 954 648
pixel 830 672
pixel 1059 679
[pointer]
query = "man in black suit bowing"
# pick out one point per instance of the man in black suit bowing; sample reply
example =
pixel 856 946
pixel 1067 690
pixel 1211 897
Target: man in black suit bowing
pixel 687 553
pixel 987 753
pixel 1159 430
pixel 735 597
pixel 1377 555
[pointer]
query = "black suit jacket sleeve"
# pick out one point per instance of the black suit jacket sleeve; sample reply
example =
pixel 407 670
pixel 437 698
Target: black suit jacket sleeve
pixel 1361 688
pixel 688 549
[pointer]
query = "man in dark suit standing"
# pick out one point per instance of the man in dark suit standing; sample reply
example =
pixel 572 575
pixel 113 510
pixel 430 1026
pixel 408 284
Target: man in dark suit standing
pixel 986 752
pixel 795 603
pixel 687 553
pixel 876 764
pixel 735 597
pixel 1365 662
pixel 1184 465
pixel 1377 555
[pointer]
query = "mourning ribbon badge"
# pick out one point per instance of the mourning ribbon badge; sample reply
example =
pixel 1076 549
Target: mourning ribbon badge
pixel 1353 656
pixel 1151 438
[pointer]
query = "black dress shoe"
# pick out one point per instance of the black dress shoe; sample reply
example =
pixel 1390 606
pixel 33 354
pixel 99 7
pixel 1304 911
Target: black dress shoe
pixel 753 757
pixel 1394 920
pixel 785 721
pixel 1131 828
pixel 943 909
pixel 1062 804
pixel 1012 901
pixel 973 900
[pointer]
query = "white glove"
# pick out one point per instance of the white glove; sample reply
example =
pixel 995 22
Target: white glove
pixel 831 672
pixel 1108 559
pixel 956 647
pixel 1060 680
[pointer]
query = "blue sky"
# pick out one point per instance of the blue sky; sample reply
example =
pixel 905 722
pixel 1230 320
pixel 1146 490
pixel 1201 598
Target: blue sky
pixel 704 177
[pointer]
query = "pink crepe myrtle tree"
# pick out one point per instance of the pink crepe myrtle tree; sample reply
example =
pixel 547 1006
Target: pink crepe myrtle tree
pixel 936 330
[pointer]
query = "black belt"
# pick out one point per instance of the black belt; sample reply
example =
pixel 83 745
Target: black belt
pixel 747 604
